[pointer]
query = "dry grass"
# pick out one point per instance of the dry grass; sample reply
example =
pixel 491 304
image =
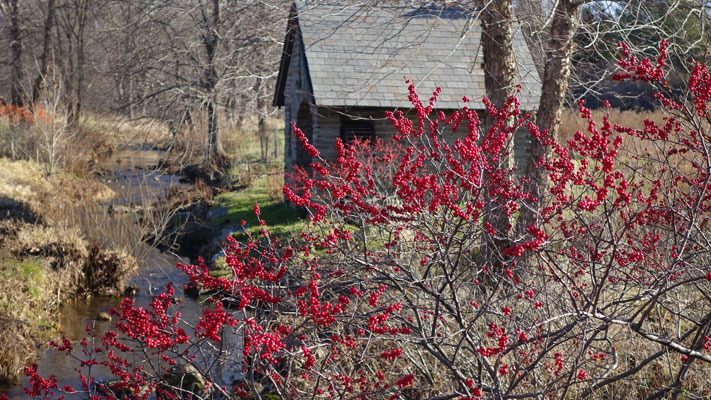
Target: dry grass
pixel 646 157
pixel 100 135
pixel 244 142
pixel 645 160
pixel 28 307
pixel 56 238
pixel 275 183
pixel 571 122
pixel 122 130
pixel 52 143
pixel 39 267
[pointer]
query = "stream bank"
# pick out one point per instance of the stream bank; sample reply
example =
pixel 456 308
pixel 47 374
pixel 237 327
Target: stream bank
pixel 71 248
pixel 130 201
pixel 46 258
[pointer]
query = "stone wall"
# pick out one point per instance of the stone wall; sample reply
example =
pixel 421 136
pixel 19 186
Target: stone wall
pixel 297 97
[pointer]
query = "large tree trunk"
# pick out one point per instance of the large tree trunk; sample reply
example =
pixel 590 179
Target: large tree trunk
pixel 497 45
pixel 559 51
pixel 11 10
pixel 500 80
pixel 44 57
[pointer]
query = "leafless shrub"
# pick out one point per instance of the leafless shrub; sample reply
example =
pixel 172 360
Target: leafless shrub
pixel 274 183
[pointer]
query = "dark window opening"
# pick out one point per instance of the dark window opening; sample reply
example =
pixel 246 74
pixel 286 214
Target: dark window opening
pixel 352 129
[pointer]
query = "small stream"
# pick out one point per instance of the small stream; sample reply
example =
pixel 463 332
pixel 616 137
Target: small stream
pixel 132 173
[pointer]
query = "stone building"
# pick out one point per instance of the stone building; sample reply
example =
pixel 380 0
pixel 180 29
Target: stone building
pixel 343 67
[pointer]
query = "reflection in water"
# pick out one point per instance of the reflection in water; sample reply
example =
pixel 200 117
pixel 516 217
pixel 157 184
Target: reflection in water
pixel 136 179
pixel 141 187
pixel 132 158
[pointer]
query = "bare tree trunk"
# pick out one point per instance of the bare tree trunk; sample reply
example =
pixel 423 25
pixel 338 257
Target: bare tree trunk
pixel 70 74
pixel 82 9
pixel 73 20
pixel 500 80
pixel 241 108
pixel 497 45
pixel 44 57
pixel 216 149
pixel 210 39
pixel 11 9
pixel 559 51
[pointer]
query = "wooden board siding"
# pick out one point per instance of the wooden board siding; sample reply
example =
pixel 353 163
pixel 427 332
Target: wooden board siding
pixel 326 121
pixel 328 129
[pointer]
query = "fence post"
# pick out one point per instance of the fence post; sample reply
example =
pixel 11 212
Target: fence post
pixel 276 143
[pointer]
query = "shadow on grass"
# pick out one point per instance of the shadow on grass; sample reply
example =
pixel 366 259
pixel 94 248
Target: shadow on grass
pixel 11 209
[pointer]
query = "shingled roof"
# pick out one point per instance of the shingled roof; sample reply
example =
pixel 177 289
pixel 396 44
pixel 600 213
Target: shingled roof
pixel 357 56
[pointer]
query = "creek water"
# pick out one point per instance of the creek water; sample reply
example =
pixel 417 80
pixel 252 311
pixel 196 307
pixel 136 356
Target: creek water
pixel 133 175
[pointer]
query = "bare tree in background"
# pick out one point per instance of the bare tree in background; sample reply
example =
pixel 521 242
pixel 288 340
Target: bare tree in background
pixel 44 56
pixel 189 63
pixel 261 89
pixel 552 37
pixel 209 23
pixel 208 58
pixel 556 73
pixel 11 10
pixel 203 65
pixel 73 18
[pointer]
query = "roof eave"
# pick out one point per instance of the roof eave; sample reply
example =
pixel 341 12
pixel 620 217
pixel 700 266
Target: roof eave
pixel 291 30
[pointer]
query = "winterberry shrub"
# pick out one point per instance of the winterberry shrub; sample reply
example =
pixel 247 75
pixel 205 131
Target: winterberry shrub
pixel 387 294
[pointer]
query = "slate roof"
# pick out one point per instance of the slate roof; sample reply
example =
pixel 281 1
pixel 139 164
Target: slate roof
pixel 357 56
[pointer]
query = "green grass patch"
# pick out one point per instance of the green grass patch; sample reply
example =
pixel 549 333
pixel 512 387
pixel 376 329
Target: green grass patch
pixel 32 269
pixel 282 220
pixel 35 291
pixel 29 270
